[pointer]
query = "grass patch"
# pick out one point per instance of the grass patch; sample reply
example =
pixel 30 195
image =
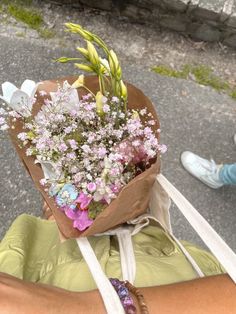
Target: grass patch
pixel 28 16
pixel 201 74
pixel 166 71
pixel 233 93
pixel 22 12
pixel 204 76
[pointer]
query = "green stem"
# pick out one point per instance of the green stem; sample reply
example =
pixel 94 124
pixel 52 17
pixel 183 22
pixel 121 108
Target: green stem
pixel 85 87
pixel 100 84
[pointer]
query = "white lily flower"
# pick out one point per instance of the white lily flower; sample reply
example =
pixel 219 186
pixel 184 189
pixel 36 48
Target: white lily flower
pixel 48 168
pixel 72 96
pixel 19 100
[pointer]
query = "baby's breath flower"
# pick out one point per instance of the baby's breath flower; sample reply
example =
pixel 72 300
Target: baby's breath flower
pixel 4 127
pixel 22 136
pixel 42 93
pixel 2 121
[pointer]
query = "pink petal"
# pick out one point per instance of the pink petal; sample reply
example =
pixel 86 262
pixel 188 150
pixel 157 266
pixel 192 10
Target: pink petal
pixel 83 221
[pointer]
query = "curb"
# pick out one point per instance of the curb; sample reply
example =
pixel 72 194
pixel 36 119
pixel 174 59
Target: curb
pixel 204 20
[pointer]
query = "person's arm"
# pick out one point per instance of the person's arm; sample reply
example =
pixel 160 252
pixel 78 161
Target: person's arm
pixel 211 295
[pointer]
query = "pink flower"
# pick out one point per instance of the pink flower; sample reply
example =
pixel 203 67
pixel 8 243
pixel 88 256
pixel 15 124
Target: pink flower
pixel 83 221
pixel 115 189
pixel 89 106
pixel 139 154
pixel 2 120
pixel 77 177
pixel 47 102
pixel 106 108
pixel 162 148
pixel 101 152
pixel 33 100
pixel 114 172
pixel 115 99
pixel 22 136
pixel 91 186
pixel 68 129
pixel 73 144
pixel 84 200
pixel 71 155
pixel 86 149
pixel 71 213
pixel 86 97
pixel 62 147
pixel 42 93
pixel 14 114
pixel 151 122
pixel 43 181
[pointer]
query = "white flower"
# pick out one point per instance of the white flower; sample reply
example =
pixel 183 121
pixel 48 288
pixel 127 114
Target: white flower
pixel 19 100
pixel 4 127
pixel 71 95
pixel 49 169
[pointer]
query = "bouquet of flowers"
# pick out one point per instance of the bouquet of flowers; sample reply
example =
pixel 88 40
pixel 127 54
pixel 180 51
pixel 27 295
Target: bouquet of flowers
pixel 90 143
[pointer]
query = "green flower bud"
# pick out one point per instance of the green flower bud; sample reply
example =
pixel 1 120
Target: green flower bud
pixel 84 67
pixel 118 73
pixel 99 103
pixel 92 52
pixel 76 28
pixel 123 89
pixel 113 62
pixel 64 59
pixel 83 51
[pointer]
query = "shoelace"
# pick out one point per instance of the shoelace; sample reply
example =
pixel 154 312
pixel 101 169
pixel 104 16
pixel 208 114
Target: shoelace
pixel 212 166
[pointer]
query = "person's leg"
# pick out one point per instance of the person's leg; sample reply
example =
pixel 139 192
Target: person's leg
pixel 227 174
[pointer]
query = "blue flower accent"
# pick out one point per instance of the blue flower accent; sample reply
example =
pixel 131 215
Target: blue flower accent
pixel 66 195
pixel 54 189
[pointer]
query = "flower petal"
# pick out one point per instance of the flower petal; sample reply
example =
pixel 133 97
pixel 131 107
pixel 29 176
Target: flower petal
pixel 83 221
pixel 19 100
pixel 72 214
pixel 8 89
pixel 71 94
pixel 73 99
pixel 29 87
pixel 48 170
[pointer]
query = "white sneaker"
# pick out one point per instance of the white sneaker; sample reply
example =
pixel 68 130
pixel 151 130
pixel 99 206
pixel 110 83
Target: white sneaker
pixel 205 170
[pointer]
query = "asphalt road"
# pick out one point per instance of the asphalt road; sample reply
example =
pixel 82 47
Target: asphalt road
pixel 192 118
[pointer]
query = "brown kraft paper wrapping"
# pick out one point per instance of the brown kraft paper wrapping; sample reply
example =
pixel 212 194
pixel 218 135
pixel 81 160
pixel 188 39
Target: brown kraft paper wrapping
pixel 132 200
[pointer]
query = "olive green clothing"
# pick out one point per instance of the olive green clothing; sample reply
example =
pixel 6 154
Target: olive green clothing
pixel 32 250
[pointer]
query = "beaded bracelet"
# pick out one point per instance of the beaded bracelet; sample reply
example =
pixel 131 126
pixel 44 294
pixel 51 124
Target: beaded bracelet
pixel 123 288
pixel 139 296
